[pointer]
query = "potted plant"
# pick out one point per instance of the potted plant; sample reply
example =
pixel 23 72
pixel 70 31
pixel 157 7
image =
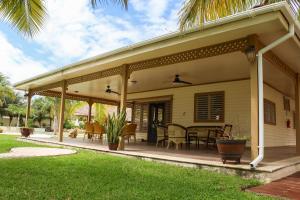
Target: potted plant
pixel 26 131
pixel 231 148
pixel 113 128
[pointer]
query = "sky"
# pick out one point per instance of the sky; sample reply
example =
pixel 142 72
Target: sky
pixel 74 31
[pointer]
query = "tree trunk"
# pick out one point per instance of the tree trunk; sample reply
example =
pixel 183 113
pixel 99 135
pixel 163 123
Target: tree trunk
pixel 10 120
pixel 18 122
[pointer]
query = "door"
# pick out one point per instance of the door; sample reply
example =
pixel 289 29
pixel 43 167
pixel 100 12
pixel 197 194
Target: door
pixel 156 117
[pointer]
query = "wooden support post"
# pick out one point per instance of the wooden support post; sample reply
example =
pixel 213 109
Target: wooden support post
pixel 124 77
pixel 29 96
pixel 254 110
pixel 62 110
pixel 297 114
pixel 251 52
pixel 90 102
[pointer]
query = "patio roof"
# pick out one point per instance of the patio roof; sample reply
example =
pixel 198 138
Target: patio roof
pixel 268 23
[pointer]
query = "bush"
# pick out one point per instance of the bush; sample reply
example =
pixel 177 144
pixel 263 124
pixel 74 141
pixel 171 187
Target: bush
pixel 69 124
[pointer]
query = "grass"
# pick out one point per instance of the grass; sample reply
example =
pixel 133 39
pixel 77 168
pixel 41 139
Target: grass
pixel 90 175
pixel 7 142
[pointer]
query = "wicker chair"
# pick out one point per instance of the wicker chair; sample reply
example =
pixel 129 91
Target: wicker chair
pixel 98 131
pixel 225 131
pixel 176 135
pixel 129 131
pixel 89 130
pixel 73 133
pixel 161 134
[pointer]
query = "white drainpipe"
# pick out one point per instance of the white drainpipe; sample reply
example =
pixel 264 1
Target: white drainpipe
pixel 260 53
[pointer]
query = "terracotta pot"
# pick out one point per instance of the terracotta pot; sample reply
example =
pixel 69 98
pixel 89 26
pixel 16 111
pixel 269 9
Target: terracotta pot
pixel 112 146
pixel 26 131
pixel 231 149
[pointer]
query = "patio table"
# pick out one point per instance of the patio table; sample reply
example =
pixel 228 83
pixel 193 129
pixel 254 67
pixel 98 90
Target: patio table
pixel 202 133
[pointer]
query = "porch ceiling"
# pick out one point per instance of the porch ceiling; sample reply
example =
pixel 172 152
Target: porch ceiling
pixel 227 67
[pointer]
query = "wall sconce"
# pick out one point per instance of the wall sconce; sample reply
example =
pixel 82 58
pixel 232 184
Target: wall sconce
pixel 251 54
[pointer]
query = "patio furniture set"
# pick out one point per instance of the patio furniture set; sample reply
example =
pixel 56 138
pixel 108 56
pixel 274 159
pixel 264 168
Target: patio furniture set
pixel 179 135
pixel 170 134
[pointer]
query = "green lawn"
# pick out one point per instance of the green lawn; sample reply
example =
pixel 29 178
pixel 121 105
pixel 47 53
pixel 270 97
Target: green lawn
pixel 88 175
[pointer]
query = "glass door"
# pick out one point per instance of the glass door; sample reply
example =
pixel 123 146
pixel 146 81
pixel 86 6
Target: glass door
pixel 156 117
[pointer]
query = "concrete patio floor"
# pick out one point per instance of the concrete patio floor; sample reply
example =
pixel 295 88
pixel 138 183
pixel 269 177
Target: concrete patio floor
pixel 278 162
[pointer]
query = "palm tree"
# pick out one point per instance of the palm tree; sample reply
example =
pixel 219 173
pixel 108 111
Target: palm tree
pixel 100 113
pixel 16 110
pixel 28 16
pixel 197 12
pixel 6 91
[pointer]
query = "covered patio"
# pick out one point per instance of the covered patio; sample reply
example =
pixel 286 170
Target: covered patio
pixel 165 80
pixel 277 159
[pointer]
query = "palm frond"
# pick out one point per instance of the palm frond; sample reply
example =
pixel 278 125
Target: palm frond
pixel 197 12
pixel 123 3
pixel 27 16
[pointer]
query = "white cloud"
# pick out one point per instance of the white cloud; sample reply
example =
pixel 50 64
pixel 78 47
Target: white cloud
pixel 15 64
pixel 74 31
pixel 152 9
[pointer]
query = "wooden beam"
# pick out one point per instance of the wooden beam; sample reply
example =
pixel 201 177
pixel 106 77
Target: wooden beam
pixel 123 101
pixel 124 87
pixel 190 55
pixel 77 97
pixel 46 87
pixel 29 96
pixel 297 113
pixel 254 109
pixel 90 102
pixel 62 110
pixel 251 55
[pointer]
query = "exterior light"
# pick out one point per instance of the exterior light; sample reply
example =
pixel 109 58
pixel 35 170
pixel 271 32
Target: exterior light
pixel 250 52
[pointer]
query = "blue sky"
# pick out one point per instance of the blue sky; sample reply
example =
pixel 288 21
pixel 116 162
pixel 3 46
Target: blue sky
pixel 74 31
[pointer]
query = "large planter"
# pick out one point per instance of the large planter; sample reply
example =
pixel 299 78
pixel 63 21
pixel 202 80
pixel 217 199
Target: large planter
pixel 26 131
pixel 112 146
pixel 231 149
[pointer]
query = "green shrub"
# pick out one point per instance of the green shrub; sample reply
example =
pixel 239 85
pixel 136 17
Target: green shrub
pixel 69 124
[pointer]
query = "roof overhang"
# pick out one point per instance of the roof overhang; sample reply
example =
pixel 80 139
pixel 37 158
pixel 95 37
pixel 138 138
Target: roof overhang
pixel 259 21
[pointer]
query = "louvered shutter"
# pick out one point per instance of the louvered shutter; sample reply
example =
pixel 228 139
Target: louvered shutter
pixel 137 115
pixel 217 106
pixel 201 107
pixel 209 107
pixel 144 120
pixel 168 112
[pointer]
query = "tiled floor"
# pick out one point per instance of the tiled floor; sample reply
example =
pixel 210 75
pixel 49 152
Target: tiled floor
pixel 288 187
pixel 203 153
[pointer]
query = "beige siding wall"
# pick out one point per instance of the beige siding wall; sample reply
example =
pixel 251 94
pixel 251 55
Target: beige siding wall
pixel 279 134
pixel 237 103
pixel 237 109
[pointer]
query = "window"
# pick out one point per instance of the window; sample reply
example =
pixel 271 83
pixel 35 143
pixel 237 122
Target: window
pixel 269 112
pixel 141 117
pixel 209 107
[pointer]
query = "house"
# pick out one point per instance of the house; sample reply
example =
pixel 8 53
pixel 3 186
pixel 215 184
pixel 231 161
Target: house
pixel 205 76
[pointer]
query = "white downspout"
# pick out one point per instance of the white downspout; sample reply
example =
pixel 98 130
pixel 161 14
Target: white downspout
pixel 260 53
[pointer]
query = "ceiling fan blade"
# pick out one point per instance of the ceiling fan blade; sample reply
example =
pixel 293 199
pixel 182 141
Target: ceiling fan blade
pixel 115 92
pixel 185 82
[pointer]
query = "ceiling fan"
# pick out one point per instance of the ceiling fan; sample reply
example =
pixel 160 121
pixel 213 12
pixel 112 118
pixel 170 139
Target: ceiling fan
pixel 110 91
pixel 177 80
